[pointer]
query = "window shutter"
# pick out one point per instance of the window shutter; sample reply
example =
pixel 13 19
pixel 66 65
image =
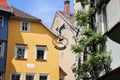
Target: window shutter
pixel 28 26
pixel 35 52
pixel 3 43
pixel 15 52
pixel 26 51
pixel 21 26
pixel 45 54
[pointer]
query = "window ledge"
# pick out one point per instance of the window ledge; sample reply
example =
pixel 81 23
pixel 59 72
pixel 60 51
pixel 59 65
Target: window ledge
pixel 25 31
pixel 41 59
pixel 20 58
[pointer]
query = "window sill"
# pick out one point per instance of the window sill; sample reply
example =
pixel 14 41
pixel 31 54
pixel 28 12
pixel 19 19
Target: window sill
pixel 41 59
pixel 20 58
pixel 25 31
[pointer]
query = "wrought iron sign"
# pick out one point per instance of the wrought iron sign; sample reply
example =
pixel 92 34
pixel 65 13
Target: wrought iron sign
pixel 60 43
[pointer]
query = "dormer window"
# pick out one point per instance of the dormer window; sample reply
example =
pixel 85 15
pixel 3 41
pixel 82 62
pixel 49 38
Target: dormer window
pixel 1 21
pixel 25 26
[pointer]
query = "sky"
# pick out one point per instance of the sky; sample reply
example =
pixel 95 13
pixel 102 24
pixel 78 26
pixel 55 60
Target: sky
pixel 42 9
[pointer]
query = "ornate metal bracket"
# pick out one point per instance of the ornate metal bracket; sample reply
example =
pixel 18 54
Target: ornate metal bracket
pixel 61 42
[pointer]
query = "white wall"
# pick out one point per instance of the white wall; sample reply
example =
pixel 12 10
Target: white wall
pixel 115 48
pixel 113 13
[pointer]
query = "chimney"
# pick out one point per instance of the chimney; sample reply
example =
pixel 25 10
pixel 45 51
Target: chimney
pixel 67 7
pixel 5 6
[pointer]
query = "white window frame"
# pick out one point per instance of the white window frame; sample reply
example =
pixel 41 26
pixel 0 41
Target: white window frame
pixel 48 77
pixel 31 75
pixel 14 74
pixel 44 48
pixel 28 26
pixel 21 46
pixel 2 25
pixel 2 49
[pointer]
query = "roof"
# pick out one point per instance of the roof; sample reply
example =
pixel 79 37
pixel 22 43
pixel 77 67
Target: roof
pixel 70 18
pixel 4 6
pixel 20 14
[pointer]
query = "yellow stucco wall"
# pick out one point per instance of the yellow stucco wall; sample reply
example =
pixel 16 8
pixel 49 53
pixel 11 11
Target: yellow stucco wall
pixel 38 35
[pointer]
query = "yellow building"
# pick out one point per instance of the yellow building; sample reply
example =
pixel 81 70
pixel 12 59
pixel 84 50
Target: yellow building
pixel 31 54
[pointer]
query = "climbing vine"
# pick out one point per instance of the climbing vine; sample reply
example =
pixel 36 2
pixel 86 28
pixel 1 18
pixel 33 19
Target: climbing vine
pixel 84 17
pixel 91 43
pixel 83 2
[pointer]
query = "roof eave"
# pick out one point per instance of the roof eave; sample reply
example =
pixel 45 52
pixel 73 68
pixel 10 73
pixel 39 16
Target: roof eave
pixel 6 10
pixel 46 26
pixel 15 17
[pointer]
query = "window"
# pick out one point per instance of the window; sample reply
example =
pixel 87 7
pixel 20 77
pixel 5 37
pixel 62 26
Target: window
pixel 1 76
pixel 61 78
pixel 41 52
pixel 1 21
pixel 15 76
pixel 21 51
pixel 43 77
pixel 1 49
pixel 25 26
pixel 29 77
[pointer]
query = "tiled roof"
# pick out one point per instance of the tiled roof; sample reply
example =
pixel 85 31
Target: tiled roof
pixel 21 14
pixel 70 18
pixel 4 6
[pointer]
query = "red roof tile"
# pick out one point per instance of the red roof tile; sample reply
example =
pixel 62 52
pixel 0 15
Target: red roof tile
pixel 5 6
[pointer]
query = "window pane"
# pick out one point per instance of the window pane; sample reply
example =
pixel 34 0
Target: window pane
pixel 0 18
pixel 20 52
pixel 43 78
pixel 15 77
pixel 29 77
pixel 1 21
pixel 0 43
pixel 40 54
pixel 24 26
